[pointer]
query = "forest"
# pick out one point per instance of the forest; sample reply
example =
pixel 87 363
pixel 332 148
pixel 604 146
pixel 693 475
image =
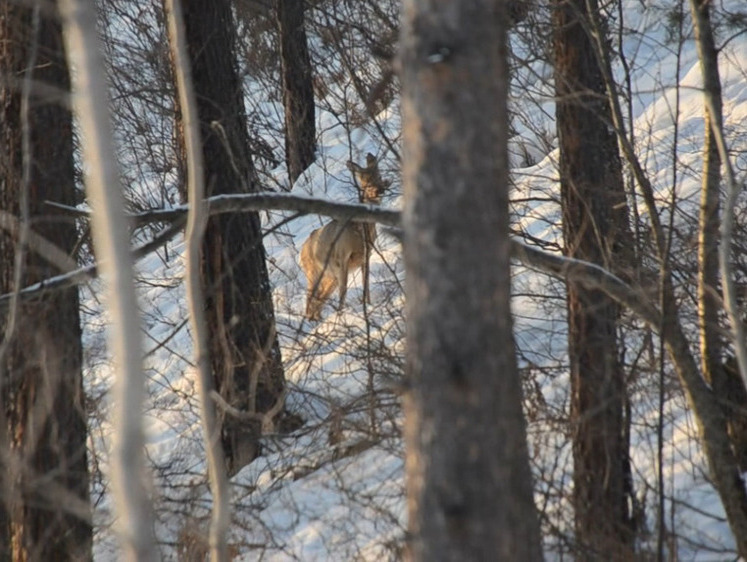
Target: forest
pixel 373 280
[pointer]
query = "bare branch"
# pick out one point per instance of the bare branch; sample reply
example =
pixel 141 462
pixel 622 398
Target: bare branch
pixel 220 204
pixel 591 276
pixel 245 202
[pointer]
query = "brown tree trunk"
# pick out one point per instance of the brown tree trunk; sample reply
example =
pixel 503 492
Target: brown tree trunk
pixel 298 91
pixel 594 223
pixel 468 477
pixel 243 345
pixel 43 465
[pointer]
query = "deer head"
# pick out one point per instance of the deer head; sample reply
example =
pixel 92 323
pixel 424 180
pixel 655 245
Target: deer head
pixel 369 180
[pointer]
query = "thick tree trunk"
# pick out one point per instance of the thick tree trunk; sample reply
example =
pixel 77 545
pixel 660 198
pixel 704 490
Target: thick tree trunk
pixel 44 496
pixel 468 477
pixel 298 91
pixel 243 345
pixel 594 222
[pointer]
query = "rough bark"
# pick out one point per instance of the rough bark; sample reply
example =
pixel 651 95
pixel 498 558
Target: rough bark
pixel 298 91
pixel 44 509
pixel 594 223
pixel 244 349
pixel 468 478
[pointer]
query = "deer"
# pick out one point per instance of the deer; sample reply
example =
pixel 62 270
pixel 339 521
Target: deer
pixel 331 252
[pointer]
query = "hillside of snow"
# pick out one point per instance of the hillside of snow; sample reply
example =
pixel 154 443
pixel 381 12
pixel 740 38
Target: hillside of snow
pixel 334 489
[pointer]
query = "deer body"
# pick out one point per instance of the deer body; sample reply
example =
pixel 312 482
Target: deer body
pixel 333 251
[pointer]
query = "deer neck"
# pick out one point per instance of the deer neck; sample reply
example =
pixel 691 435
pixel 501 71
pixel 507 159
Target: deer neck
pixel 371 196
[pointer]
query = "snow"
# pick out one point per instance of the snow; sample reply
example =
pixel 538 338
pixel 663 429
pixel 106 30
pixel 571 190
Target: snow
pixel 318 496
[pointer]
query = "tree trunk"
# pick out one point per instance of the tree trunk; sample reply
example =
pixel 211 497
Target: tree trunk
pixel 594 223
pixel 722 375
pixel 45 512
pixel 243 345
pixel 468 477
pixel 193 238
pixel 298 92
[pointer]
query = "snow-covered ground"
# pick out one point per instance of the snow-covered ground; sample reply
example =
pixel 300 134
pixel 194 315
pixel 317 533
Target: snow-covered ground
pixel 334 490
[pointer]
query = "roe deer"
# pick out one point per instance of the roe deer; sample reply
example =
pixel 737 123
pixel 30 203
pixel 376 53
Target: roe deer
pixel 337 248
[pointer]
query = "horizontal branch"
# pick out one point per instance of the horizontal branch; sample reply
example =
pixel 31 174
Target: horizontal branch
pixel 83 274
pixel 248 202
pixel 572 270
pixel 591 276
pixel 220 204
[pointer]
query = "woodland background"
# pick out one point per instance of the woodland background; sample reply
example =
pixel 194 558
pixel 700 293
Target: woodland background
pixel 568 264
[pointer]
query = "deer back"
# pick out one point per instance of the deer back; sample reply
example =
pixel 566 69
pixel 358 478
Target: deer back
pixel 338 241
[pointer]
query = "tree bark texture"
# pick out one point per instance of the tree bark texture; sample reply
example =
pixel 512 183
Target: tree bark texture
pixel 243 345
pixel 298 91
pixel 44 510
pixel 594 223
pixel 469 484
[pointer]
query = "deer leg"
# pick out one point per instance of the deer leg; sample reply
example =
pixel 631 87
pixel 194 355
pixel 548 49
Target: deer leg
pixel 313 279
pixel 364 272
pixel 328 285
pixel 312 307
pixel 324 287
pixel 343 281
